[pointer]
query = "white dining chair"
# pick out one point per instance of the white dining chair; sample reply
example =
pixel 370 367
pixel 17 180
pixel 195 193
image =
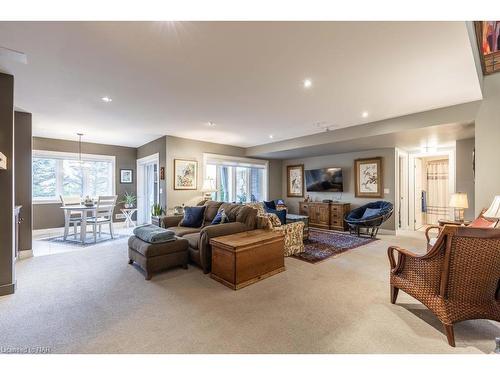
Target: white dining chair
pixel 71 217
pixel 103 214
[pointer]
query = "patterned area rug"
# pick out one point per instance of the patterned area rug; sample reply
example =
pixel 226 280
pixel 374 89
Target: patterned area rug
pixel 71 241
pixel 321 245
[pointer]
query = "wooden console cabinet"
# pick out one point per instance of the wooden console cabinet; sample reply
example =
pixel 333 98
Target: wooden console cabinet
pixel 325 215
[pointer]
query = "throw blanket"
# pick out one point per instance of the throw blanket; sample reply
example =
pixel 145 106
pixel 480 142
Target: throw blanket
pixel 154 234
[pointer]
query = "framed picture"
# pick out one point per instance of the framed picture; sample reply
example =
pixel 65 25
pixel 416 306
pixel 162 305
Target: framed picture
pixel 126 176
pixel 368 177
pixel 185 174
pixel 295 180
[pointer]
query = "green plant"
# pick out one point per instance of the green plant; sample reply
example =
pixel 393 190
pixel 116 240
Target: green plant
pixel 157 210
pixel 128 199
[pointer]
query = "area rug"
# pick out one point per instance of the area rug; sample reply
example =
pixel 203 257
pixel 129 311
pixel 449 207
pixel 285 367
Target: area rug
pixel 322 245
pixel 71 241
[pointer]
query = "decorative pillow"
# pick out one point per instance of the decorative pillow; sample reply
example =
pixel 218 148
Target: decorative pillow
pixel 270 204
pixel 220 218
pixel 275 220
pixel 370 212
pixel 193 217
pixel 280 213
pixel 481 222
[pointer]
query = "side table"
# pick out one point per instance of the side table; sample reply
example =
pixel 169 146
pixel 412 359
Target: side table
pixel 129 212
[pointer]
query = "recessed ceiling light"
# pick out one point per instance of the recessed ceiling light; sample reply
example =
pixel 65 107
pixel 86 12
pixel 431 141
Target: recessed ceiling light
pixel 307 83
pixel 271 136
pixel 364 114
pixel 106 99
pixel 211 124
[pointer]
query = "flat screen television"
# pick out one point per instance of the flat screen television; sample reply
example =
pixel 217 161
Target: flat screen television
pixel 325 179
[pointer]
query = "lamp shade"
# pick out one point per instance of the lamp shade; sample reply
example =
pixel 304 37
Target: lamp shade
pixel 459 200
pixel 208 186
pixel 493 212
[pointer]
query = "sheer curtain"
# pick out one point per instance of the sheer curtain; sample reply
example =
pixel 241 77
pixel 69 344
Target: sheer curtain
pixel 438 194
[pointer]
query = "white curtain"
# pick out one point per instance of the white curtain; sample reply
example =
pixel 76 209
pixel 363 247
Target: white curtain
pixel 437 191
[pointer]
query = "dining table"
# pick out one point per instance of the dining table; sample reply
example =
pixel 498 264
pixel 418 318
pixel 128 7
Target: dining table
pixel 69 209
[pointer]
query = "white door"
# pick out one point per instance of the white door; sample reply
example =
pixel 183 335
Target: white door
pixel 147 187
pixel 418 194
pixel 402 198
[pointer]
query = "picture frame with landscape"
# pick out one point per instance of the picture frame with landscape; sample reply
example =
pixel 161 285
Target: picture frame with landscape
pixel 368 178
pixel 185 174
pixel 295 180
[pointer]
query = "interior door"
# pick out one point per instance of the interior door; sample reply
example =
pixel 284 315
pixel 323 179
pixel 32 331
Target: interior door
pixel 418 194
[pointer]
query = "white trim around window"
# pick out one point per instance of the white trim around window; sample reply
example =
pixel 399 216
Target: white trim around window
pixel 72 156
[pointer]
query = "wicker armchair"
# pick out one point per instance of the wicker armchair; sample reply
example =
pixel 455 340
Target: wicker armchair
pixel 458 279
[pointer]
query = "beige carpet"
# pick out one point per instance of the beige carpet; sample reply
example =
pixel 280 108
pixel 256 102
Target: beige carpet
pixel 92 301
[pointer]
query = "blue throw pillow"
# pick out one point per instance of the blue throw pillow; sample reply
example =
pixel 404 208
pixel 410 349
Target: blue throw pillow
pixel 370 212
pixel 220 218
pixel 193 217
pixel 270 204
pixel 280 213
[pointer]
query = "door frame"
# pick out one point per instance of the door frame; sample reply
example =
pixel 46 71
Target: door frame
pixel 402 192
pixel 141 163
pixel 450 153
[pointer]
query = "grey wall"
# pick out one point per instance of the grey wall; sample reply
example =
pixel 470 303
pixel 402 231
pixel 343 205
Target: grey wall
pixel 7 276
pixel 157 146
pixel 23 176
pixel 346 162
pixel 182 148
pixel 465 174
pixel 275 179
pixel 47 215
pixel 487 144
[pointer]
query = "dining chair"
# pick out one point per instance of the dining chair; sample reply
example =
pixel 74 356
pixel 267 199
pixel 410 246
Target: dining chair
pixel 71 217
pixel 103 214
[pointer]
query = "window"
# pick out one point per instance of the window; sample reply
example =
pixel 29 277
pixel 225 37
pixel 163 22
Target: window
pixel 237 179
pixel 60 173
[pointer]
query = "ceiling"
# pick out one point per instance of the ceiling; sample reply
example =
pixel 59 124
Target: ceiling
pixel 246 77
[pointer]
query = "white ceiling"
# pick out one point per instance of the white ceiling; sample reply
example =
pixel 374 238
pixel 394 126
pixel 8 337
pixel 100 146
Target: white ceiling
pixel 174 77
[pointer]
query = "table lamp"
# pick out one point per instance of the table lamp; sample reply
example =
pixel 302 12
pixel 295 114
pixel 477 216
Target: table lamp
pixel 459 202
pixel 208 188
pixel 493 212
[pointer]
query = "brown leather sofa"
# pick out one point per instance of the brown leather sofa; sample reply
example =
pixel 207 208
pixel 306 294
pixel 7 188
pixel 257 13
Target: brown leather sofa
pixel 241 219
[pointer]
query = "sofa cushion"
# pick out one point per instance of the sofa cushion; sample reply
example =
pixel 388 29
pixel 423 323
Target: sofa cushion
pixel 211 210
pixel 193 217
pixel 193 240
pixel 182 231
pixel 151 250
pixel 220 218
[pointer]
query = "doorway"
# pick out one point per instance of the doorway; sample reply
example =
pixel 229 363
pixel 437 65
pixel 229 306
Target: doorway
pixel 148 192
pixel 431 181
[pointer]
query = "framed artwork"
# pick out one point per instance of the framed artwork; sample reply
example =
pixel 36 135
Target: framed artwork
pixel 126 176
pixel 295 180
pixel 488 42
pixel 185 174
pixel 368 178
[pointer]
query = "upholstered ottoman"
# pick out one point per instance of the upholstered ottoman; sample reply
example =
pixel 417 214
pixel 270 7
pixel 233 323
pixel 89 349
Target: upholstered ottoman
pixel 153 258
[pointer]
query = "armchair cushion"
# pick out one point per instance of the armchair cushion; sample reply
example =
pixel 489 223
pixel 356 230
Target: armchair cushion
pixel 270 204
pixel 193 217
pixel 280 213
pixel 370 213
pixel 481 222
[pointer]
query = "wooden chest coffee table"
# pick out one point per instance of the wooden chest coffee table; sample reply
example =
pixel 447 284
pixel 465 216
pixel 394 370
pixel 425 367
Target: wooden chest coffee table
pixel 244 258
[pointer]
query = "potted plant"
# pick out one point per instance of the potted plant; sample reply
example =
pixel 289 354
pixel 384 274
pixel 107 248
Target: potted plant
pixel 128 200
pixel 156 212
